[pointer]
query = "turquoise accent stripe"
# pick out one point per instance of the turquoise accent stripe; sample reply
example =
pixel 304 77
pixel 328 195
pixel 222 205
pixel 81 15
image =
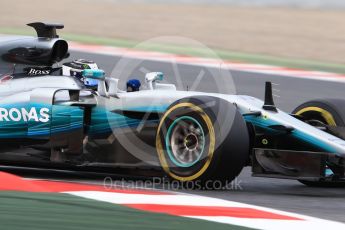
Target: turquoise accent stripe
pixel 104 121
pixel 67 118
pixel 61 119
pixel 311 140
pixel 150 109
pixel 265 123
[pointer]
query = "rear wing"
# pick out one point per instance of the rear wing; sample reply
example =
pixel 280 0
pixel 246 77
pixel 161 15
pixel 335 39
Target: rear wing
pixel 46 30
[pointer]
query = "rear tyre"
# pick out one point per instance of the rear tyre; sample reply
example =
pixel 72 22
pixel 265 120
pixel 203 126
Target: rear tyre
pixel 203 140
pixel 329 112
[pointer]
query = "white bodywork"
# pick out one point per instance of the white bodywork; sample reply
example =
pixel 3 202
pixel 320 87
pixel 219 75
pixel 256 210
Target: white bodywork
pixel 162 95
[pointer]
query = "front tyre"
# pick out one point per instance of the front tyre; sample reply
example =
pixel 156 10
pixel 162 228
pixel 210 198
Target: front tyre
pixel 204 140
pixel 323 113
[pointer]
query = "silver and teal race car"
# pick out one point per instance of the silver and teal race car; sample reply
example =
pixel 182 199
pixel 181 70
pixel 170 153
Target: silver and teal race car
pixel 74 116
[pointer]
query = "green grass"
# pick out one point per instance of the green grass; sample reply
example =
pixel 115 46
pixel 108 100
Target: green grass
pixel 57 211
pixel 196 51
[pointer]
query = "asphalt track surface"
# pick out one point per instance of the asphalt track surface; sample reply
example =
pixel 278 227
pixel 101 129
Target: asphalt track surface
pixel 286 195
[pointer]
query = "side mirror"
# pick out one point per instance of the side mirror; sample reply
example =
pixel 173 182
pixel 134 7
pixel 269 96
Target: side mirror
pixel 151 78
pixel 96 74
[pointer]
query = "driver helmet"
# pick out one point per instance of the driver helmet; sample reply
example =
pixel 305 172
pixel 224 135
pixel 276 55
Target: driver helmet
pixel 75 69
pixel 133 85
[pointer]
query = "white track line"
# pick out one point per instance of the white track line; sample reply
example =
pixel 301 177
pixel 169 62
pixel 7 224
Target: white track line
pixel 184 199
pixel 309 223
pixel 306 222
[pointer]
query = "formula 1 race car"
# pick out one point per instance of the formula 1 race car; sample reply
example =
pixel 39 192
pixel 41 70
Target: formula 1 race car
pixel 49 116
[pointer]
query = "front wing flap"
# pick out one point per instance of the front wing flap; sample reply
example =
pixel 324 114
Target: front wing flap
pixel 301 165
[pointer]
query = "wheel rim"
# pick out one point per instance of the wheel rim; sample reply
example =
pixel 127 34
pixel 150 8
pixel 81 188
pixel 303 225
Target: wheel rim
pixel 185 141
pixel 324 114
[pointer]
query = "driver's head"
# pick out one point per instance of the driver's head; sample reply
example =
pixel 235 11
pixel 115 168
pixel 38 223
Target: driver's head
pixel 75 69
pixel 133 85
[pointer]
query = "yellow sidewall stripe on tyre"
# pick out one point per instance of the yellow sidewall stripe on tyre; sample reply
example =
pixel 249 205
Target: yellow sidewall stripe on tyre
pixel 210 153
pixel 324 113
